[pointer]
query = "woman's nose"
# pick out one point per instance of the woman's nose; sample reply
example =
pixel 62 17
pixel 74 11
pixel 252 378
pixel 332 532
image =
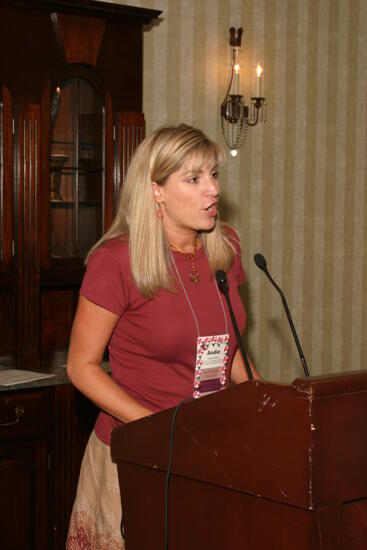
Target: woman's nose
pixel 214 189
pixel 212 186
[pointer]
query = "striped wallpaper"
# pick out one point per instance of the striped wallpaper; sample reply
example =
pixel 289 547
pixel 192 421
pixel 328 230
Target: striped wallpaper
pixel 296 192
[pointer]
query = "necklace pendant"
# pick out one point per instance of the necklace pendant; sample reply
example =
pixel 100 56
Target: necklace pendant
pixel 194 277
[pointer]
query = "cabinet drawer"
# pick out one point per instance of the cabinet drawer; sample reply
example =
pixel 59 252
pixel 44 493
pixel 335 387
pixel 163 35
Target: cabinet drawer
pixel 24 414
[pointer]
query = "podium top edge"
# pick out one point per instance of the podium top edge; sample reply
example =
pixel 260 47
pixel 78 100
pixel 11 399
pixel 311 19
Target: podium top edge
pixel 332 384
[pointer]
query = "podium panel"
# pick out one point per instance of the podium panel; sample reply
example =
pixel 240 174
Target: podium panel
pixel 260 465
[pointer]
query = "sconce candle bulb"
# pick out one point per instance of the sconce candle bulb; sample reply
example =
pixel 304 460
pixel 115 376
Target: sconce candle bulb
pixel 259 72
pixel 236 71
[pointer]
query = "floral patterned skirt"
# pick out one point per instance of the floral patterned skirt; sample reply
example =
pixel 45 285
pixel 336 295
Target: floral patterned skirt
pixel 95 522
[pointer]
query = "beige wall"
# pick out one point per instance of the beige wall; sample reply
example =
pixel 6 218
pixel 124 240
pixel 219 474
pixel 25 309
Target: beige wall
pixel 296 192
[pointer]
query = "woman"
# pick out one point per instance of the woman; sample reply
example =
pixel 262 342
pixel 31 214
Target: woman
pixel 150 294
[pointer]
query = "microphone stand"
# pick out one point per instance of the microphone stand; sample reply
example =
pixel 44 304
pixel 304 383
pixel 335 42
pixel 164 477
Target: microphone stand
pixel 261 264
pixel 222 283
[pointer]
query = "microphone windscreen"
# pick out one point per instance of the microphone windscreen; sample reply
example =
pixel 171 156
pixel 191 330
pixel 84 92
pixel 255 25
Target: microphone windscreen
pixel 221 278
pixel 260 261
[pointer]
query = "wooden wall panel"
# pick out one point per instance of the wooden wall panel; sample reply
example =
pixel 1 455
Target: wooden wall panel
pixel 6 183
pixel 27 176
pixel 130 131
pixel 7 242
pixel 7 326
pixel 57 313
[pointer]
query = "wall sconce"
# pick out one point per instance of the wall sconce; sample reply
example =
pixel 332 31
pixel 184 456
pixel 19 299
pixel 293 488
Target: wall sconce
pixel 236 116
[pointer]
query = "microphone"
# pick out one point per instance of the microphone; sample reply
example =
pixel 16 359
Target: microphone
pixel 261 264
pixel 223 285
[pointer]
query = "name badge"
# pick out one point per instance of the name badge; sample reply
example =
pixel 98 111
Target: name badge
pixel 211 364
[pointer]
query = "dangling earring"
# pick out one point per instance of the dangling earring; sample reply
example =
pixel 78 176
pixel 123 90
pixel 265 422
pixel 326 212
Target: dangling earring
pixel 159 212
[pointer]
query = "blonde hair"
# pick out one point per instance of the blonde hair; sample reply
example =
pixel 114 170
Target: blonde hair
pixel 158 156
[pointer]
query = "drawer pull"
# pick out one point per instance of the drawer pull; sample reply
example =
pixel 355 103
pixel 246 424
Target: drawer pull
pixel 19 411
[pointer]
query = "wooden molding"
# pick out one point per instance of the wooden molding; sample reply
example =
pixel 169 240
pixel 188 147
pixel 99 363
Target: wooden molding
pixel 27 167
pixel 79 37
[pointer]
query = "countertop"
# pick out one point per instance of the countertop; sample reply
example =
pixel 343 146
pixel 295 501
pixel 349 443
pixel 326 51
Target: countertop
pixel 59 372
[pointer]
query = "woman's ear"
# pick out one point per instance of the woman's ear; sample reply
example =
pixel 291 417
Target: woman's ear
pixel 158 200
pixel 156 192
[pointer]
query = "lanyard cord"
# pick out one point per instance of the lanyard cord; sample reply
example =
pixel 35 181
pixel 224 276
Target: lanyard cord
pixel 188 300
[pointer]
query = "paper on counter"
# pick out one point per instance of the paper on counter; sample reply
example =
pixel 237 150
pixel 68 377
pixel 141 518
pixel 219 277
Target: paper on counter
pixel 10 377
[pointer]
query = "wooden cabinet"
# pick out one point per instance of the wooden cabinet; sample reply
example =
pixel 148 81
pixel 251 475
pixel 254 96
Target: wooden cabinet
pixel 70 119
pixel 43 434
pixel 24 431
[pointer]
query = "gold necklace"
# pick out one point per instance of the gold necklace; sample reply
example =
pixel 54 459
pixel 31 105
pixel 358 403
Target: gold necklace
pixel 194 275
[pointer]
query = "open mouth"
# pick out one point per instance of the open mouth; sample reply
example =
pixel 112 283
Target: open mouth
pixel 212 209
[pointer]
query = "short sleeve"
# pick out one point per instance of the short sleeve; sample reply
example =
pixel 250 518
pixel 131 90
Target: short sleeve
pixel 239 271
pixel 237 268
pixel 104 282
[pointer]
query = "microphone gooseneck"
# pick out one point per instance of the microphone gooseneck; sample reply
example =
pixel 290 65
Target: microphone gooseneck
pixel 223 286
pixel 261 264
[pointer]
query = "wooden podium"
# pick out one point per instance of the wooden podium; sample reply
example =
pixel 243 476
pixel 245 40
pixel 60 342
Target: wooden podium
pixel 258 466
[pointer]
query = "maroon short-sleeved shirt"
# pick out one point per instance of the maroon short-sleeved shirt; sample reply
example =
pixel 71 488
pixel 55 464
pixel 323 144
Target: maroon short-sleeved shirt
pixel 152 350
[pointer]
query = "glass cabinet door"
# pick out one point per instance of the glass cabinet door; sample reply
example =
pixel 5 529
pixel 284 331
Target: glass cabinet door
pixel 76 169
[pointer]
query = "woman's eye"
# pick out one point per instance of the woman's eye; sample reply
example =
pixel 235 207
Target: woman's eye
pixel 215 175
pixel 194 179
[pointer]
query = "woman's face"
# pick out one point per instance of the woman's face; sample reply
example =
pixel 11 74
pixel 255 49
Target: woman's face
pixel 188 200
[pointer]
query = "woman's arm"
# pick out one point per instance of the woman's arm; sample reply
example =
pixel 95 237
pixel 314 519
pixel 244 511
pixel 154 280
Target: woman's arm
pixel 238 370
pixel 92 329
